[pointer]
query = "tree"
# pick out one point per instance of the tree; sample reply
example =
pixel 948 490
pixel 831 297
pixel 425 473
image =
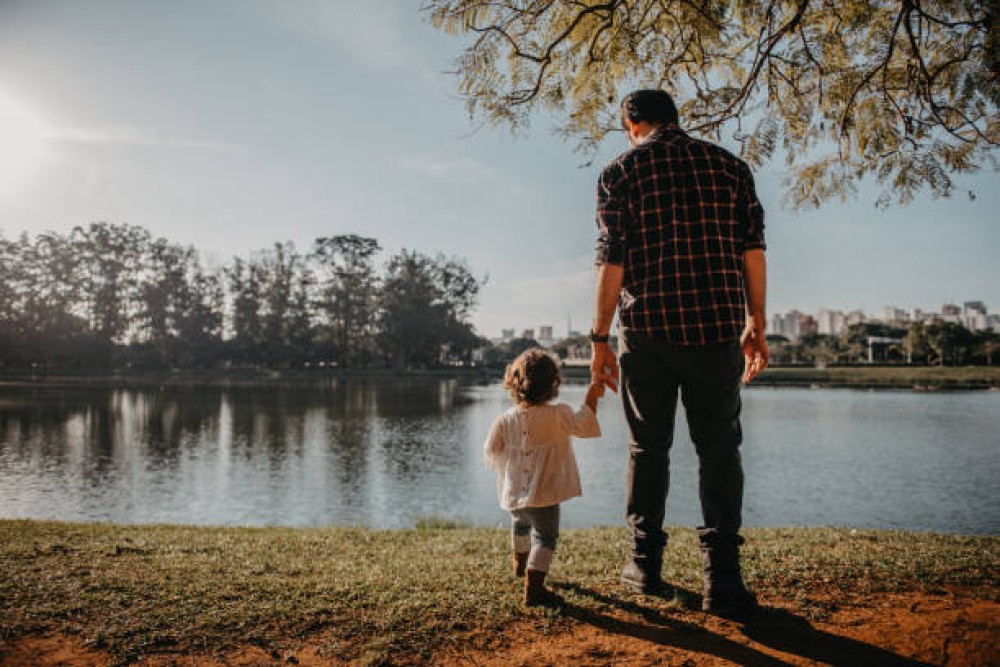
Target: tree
pixel 951 343
pixel 245 290
pixel 917 343
pixel 111 258
pixel 902 90
pixel 199 316
pixel 50 288
pixel 423 305
pixel 349 287
pixel 277 273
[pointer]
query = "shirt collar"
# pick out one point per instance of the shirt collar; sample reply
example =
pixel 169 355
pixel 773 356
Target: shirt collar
pixel 662 131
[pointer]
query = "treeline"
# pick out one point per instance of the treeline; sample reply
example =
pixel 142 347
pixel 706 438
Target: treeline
pixel 936 343
pixel 110 296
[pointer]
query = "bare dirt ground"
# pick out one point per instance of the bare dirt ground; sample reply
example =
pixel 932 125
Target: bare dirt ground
pixel 911 629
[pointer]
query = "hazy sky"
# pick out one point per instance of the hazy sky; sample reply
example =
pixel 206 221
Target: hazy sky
pixel 232 125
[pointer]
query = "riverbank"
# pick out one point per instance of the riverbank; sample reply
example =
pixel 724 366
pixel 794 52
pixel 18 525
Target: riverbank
pixel 97 594
pixel 916 378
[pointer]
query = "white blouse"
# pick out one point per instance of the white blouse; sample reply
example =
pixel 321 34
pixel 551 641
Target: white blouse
pixel 530 449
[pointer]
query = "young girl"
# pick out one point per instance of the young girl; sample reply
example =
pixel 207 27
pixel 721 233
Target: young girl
pixel 529 447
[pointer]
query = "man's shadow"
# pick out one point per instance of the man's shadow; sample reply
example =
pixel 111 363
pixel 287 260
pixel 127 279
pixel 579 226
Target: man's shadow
pixel 775 628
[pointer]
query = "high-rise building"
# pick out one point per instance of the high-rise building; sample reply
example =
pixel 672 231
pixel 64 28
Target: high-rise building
pixel 856 317
pixel 974 316
pixel 976 321
pixel 974 308
pixel 791 324
pixel 528 334
pixel 507 335
pixel 786 325
pixel 830 322
pixel 894 315
pixel 545 335
pixel 951 313
pixel 776 324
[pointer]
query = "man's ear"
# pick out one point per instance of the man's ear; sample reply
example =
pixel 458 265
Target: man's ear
pixel 629 128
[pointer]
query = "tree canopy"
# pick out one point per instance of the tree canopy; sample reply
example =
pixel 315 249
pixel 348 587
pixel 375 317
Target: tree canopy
pixel 113 296
pixel 904 91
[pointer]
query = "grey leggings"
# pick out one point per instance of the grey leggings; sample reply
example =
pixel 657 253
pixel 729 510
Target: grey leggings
pixel 535 530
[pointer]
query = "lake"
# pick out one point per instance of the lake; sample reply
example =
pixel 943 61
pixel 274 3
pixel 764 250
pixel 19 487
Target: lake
pixel 387 454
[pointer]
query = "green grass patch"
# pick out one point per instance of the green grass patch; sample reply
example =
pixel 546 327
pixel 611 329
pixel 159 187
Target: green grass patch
pixel 890 377
pixel 369 594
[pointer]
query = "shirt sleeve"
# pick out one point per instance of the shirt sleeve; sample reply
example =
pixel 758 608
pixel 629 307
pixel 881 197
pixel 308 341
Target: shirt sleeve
pixel 749 207
pixel 582 423
pixel 494 451
pixel 612 213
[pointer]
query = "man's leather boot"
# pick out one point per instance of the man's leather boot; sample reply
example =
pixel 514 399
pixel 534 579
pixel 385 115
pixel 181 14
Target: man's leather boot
pixel 725 593
pixel 642 572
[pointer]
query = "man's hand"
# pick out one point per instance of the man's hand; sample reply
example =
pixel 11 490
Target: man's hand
pixel 754 346
pixel 604 366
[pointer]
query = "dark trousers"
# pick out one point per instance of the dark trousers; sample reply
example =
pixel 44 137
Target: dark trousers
pixel 708 380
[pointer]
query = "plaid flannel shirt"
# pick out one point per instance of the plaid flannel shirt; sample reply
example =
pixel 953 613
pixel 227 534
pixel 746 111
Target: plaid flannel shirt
pixel 677 213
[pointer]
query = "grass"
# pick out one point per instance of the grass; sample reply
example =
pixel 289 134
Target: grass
pixel 372 596
pixel 903 377
pixel 875 377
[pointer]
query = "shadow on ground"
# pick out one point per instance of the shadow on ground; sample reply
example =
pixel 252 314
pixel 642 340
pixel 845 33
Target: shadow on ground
pixel 776 629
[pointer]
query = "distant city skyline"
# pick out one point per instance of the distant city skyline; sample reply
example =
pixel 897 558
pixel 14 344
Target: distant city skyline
pixel 233 126
pixel 559 333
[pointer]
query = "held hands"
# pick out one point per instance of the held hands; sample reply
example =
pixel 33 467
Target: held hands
pixel 594 391
pixel 754 346
pixel 604 366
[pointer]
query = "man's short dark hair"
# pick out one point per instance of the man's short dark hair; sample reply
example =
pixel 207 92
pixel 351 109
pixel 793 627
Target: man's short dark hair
pixel 653 106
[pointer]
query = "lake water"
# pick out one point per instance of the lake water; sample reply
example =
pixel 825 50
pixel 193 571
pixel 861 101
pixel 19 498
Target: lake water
pixel 386 454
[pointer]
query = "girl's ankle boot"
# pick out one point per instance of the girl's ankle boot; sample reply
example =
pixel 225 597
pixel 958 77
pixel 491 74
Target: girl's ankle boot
pixel 520 563
pixel 535 593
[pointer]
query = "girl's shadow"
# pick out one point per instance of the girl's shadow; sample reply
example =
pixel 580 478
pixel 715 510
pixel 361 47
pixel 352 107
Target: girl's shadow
pixel 778 629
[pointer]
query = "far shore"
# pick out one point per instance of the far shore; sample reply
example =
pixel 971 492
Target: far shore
pixel 913 378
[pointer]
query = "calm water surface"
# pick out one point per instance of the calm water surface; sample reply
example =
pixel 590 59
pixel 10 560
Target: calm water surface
pixel 388 454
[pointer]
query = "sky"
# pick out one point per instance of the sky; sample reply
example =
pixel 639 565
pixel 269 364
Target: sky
pixel 234 125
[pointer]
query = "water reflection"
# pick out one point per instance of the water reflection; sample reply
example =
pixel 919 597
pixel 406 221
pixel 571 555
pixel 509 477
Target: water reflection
pixel 387 454
pixel 361 452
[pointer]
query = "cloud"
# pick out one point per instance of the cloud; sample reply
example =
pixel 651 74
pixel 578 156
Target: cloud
pixel 370 32
pixel 136 136
pixel 449 167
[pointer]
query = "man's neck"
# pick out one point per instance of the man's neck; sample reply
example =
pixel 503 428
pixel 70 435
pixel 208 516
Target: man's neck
pixel 642 129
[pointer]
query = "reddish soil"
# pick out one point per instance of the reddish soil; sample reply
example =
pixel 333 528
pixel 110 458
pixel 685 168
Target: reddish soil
pixel 906 629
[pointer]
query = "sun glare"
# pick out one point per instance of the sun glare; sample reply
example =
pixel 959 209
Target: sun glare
pixel 22 142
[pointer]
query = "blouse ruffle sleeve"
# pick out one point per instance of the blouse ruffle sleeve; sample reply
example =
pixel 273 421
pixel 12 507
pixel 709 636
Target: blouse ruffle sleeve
pixel 582 423
pixel 494 451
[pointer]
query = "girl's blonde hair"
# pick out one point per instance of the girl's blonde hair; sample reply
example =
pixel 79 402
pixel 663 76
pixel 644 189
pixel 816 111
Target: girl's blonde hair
pixel 533 377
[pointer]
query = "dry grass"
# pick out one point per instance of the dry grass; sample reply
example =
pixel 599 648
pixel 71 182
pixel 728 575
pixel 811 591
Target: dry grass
pixel 137 590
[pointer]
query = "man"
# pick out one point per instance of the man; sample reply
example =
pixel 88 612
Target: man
pixel 680 256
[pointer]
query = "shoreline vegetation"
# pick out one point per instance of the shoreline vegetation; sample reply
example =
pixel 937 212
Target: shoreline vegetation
pixel 915 378
pixel 442 593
